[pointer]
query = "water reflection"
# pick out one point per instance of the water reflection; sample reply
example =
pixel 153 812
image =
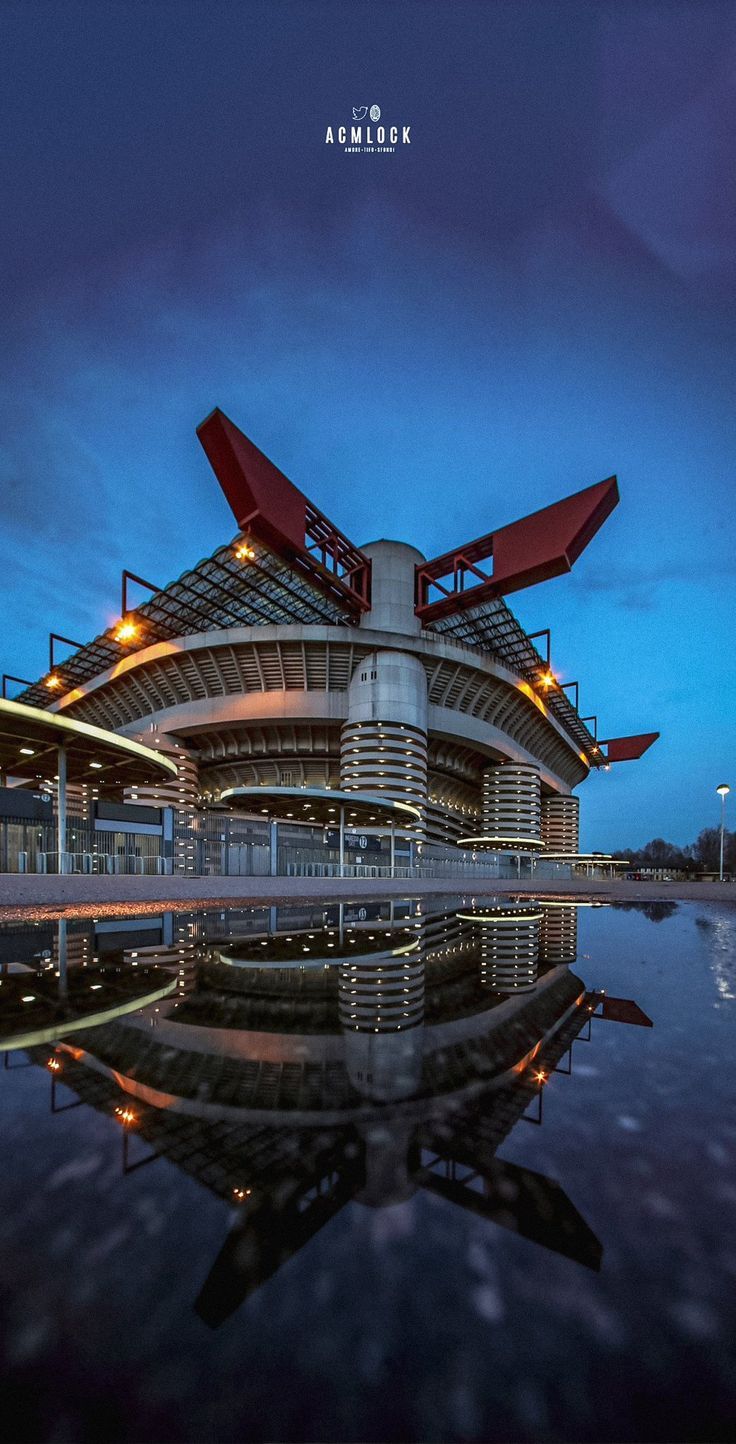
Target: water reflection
pixel 509 943
pixel 52 981
pixel 294 1059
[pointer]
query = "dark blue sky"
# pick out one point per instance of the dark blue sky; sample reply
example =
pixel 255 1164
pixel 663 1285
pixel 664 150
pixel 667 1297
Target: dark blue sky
pixel 539 291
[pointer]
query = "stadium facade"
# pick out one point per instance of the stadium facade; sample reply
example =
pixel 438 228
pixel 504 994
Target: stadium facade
pixel 292 664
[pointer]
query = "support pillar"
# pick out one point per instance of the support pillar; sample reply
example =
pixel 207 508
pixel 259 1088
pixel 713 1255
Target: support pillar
pixel 62 957
pixel 61 809
pixel 560 823
pixel 273 847
pixel 342 839
pixel 511 799
pixel 383 742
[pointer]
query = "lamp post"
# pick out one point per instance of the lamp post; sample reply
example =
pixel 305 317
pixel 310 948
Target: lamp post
pixel 723 790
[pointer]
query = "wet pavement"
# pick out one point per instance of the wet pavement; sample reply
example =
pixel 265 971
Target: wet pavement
pixel 409 1168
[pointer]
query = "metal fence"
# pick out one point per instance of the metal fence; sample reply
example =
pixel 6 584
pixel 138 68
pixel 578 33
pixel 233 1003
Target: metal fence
pixel 439 868
pixel 99 863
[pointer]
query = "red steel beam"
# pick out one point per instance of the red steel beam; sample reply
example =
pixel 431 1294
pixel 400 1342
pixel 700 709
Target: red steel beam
pixel 542 545
pixel 624 1010
pixel 628 749
pixel 265 503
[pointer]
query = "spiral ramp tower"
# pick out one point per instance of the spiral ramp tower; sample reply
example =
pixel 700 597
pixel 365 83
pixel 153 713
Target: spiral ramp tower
pixel 558 941
pixel 509 947
pixel 560 824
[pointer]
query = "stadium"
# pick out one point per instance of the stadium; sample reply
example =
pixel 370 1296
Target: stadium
pixel 326 705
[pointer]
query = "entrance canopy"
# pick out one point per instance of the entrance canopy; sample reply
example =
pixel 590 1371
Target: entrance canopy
pixel 586 857
pixel 501 844
pixel 30 742
pixel 322 806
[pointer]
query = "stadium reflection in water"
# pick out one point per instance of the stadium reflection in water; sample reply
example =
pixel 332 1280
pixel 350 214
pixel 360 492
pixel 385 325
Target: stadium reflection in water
pixel 294 1059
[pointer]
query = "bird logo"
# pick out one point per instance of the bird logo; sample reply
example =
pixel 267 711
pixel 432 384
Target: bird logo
pixel 359 111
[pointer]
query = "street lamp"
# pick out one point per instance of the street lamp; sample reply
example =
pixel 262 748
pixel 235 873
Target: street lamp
pixel 723 790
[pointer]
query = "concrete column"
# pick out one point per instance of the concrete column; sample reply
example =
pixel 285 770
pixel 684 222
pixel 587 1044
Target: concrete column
pixel 509 949
pixel 62 955
pixel 559 933
pixel 561 823
pixel 61 809
pixel 512 805
pixel 381 1009
pixel 273 846
pixel 388 1178
pixel 392 588
pixel 383 746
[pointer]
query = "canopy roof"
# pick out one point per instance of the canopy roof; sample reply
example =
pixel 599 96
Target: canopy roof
pixel 30 740
pixel 321 805
pixel 494 843
pixel 605 857
pixel 33 1012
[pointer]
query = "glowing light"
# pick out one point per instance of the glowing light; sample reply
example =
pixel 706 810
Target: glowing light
pixel 127 629
pixel 244 553
pixel 127 1116
pixel 53 1065
pixel 241 1194
pixel 53 681
pixel 540 1076
pixel 548 679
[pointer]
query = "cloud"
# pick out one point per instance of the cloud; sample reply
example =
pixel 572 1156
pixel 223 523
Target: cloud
pixel 640 588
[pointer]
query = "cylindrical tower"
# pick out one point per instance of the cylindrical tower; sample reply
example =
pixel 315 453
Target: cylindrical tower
pixel 560 823
pixel 512 806
pixel 182 795
pixel 383 744
pixel 393 596
pixel 381 1008
pixel 509 949
pixel 559 934
pixel 383 994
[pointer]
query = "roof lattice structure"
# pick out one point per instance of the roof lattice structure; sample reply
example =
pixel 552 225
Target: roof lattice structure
pixel 221 591
pixel 494 628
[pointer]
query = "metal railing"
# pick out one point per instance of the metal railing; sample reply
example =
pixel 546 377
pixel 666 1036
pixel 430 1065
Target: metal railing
pixel 440 869
pixel 94 863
